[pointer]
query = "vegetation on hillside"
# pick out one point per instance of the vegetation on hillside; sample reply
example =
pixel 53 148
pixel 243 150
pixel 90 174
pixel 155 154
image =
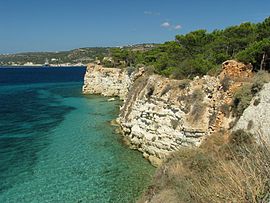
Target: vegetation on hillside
pixel 200 52
pixel 248 90
pixel 82 55
pixel 232 168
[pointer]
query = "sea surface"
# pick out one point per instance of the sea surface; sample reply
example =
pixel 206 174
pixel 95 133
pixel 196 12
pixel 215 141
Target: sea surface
pixel 56 145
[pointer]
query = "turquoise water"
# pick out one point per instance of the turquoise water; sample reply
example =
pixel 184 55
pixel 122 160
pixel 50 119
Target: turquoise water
pixel 56 145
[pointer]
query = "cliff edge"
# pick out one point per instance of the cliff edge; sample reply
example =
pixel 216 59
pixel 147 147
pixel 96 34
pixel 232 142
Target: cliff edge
pixel 106 81
pixel 161 115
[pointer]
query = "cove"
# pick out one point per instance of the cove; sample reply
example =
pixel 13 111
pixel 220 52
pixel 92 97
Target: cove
pixel 56 145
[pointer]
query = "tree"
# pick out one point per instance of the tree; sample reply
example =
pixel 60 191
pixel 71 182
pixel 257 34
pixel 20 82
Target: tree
pixel 263 29
pixel 257 53
pixel 193 42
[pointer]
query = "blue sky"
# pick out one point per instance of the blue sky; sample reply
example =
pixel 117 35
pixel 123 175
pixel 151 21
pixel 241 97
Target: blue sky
pixel 54 25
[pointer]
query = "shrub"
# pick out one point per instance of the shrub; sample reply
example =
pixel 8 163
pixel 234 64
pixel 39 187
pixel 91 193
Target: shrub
pixel 174 123
pixel 150 70
pixel 204 174
pixel 215 71
pixel 250 125
pixel 244 95
pixel 241 100
pixel 256 101
pixel 226 82
pixel 240 138
pixel 260 79
pixel 183 84
pixel 130 70
pixel 150 91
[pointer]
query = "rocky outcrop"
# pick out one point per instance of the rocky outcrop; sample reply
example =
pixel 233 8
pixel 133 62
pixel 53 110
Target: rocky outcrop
pixel 234 69
pixel 106 81
pixel 256 117
pixel 161 115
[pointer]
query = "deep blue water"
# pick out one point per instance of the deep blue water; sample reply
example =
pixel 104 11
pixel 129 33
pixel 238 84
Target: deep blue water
pixel 56 145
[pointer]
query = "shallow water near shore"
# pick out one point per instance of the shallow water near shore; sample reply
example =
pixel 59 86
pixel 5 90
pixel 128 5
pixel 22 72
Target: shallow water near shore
pixel 56 145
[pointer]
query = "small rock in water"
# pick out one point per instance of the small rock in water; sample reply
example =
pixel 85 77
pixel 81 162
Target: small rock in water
pixel 111 99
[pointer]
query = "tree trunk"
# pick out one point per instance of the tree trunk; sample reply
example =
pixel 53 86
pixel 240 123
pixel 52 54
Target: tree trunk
pixel 262 61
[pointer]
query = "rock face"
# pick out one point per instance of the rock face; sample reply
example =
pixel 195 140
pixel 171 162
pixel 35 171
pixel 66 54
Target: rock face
pixel 106 81
pixel 234 69
pixel 256 117
pixel 161 115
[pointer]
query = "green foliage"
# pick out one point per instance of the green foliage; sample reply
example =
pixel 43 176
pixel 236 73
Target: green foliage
pixel 244 95
pixel 260 79
pixel 83 55
pixel 263 30
pixel 254 53
pixel 240 138
pixel 184 84
pixel 241 100
pixel 200 52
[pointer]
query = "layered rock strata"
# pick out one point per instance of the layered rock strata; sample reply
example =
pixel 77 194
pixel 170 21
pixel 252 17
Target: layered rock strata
pixel 106 81
pixel 161 115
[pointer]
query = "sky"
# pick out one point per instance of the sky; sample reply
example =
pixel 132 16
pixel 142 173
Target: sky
pixel 56 25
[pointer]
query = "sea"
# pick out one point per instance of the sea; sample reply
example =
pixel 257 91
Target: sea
pixel 57 145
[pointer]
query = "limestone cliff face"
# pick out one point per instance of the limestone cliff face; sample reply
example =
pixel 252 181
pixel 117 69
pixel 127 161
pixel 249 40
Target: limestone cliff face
pixel 106 81
pixel 161 115
pixel 257 116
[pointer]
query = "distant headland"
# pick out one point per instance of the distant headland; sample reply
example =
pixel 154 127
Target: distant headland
pixel 76 57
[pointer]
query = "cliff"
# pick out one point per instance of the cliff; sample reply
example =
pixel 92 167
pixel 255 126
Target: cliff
pixel 106 81
pixel 256 117
pixel 162 115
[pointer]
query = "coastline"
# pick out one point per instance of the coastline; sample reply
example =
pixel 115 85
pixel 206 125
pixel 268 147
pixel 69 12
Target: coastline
pixel 41 66
pixel 67 144
pixel 160 116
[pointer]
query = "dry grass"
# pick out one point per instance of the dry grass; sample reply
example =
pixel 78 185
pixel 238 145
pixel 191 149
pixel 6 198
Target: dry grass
pixel 223 169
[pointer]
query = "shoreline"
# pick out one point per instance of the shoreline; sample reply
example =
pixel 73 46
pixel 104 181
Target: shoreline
pixel 71 66
pixel 159 115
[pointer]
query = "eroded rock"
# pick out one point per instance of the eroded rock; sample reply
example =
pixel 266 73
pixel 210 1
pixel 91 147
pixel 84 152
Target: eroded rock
pixel 161 115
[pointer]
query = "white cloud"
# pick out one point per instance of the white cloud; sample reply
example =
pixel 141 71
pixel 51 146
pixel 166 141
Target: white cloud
pixel 166 25
pixel 177 27
pixel 170 26
pixel 148 12
pixel 151 13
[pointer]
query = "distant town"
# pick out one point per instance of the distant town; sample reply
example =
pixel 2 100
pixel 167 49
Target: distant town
pixel 77 57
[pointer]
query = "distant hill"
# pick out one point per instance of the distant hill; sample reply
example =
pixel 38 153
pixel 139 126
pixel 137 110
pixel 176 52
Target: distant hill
pixel 81 55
